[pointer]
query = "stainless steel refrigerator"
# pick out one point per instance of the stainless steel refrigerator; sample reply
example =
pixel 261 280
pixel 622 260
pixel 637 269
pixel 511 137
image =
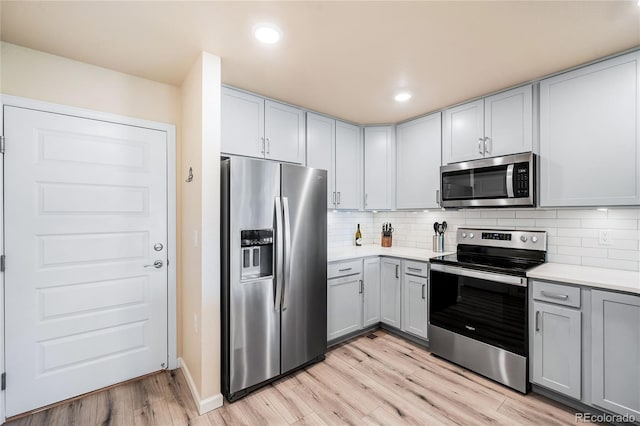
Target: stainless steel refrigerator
pixel 274 271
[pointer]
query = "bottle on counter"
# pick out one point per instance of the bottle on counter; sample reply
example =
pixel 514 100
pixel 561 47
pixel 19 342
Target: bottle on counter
pixel 358 236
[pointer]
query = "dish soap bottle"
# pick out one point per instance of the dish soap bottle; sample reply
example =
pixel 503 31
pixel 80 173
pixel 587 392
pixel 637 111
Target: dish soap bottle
pixel 358 237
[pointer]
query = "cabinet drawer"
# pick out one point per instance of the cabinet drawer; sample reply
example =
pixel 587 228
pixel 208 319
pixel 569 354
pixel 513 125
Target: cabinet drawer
pixel 416 268
pixel 341 269
pixel 556 293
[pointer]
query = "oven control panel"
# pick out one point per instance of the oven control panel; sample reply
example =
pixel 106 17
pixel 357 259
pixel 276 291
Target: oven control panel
pixel 532 240
pixel 502 236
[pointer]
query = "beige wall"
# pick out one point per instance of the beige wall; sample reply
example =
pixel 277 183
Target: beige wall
pixel 201 229
pixel 190 234
pixel 33 74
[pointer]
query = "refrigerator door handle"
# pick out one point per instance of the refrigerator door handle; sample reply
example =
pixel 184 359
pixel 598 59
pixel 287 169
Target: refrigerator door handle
pixel 287 253
pixel 279 255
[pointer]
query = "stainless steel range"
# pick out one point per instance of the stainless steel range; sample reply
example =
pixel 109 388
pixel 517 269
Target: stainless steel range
pixel 478 302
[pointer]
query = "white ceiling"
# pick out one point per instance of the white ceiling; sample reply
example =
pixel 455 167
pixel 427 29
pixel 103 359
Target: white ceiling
pixel 346 59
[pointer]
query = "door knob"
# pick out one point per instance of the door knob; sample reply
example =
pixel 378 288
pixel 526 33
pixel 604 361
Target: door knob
pixel 157 264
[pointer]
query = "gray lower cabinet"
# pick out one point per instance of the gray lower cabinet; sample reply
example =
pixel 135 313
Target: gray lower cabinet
pixel 414 306
pixel 390 291
pixel 615 331
pixel 344 304
pixel 557 348
pixel 414 298
pixel 371 303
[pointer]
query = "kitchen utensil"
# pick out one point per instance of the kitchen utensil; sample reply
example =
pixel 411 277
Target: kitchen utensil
pixel 444 226
pixel 435 227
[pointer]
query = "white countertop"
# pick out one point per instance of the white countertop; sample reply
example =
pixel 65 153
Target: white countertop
pixel 612 279
pixel 346 253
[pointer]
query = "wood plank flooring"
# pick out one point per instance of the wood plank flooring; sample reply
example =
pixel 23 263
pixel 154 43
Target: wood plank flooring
pixel 382 381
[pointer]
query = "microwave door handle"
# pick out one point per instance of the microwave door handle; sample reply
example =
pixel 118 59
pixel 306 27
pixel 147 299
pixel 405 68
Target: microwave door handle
pixel 510 181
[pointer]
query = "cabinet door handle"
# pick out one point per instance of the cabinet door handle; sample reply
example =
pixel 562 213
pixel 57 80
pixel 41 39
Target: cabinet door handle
pixel 262 145
pixel 552 295
pixel 486 145
pixel 338 197
pixel 437 196
pixel 344 270
pixel 414 269
pixel 268 146
pixel 397 267
pixel 537 320
pixel 366 197
pixel 333 198
pixel 361 287
pixel 423 286
pixel 480 140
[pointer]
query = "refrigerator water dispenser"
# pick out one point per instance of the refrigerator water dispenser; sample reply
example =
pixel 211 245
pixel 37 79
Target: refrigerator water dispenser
pixel 257 253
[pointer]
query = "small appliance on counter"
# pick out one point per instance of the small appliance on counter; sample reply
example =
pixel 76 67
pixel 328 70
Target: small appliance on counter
pixel 387 235
pixel 438 239
pixel 478 302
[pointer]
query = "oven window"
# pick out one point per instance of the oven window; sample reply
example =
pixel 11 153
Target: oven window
pixel 491 312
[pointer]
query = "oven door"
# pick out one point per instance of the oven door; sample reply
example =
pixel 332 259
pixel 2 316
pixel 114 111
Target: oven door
pixel 488 307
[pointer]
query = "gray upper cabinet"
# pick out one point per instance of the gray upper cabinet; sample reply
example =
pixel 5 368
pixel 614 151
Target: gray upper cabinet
pixel 321 141
pixel 336 147
pixel 589 134
pixel 255 127
pixel 418 160
pixel 557 348
pixel 284 132
pixel 379 167
pixel 242 129
pixel 500 124
pixel 348 166
pixel 615 328
pixel 390 302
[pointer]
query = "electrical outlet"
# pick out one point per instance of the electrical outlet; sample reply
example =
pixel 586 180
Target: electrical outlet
pixel 603 238
pixel 195 323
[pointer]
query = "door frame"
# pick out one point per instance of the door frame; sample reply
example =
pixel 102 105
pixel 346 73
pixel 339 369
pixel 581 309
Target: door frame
pixel 170 130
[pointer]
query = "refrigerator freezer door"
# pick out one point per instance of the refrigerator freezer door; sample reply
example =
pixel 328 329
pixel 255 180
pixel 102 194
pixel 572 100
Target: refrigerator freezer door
pixel 254 321
pixel 304 301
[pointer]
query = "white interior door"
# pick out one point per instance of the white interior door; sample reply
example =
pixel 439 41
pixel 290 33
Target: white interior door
pixel 85 205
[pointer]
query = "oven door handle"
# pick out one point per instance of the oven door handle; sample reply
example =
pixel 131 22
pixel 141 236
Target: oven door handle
pixel 472 273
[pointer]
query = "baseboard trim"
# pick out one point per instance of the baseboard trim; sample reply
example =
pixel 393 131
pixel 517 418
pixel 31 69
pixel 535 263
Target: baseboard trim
pixel 203 405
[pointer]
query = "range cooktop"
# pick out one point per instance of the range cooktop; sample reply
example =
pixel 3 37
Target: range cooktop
pixel 502 251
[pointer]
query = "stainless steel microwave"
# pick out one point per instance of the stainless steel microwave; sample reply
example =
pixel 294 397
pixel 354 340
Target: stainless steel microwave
pixel 507 181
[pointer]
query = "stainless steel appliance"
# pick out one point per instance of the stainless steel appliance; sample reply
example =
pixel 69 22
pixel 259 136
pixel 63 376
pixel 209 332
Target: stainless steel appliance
pixel 274 271
pixel 478 302
pixel 504 181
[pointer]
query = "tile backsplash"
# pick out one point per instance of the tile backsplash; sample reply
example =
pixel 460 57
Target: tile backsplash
pixel 573 234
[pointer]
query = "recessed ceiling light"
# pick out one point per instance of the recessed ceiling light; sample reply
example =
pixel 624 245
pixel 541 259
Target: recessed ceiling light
pixel 402 96
pixel 267 33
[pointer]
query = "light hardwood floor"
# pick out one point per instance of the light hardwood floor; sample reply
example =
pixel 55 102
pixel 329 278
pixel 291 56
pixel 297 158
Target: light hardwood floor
pixel 382 381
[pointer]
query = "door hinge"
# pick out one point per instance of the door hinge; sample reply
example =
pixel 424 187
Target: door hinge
pixel 3 381
pixel 1 144
pixel 2 264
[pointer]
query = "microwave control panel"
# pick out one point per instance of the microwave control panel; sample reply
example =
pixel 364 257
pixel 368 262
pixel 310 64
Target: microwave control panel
pixel 521 180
